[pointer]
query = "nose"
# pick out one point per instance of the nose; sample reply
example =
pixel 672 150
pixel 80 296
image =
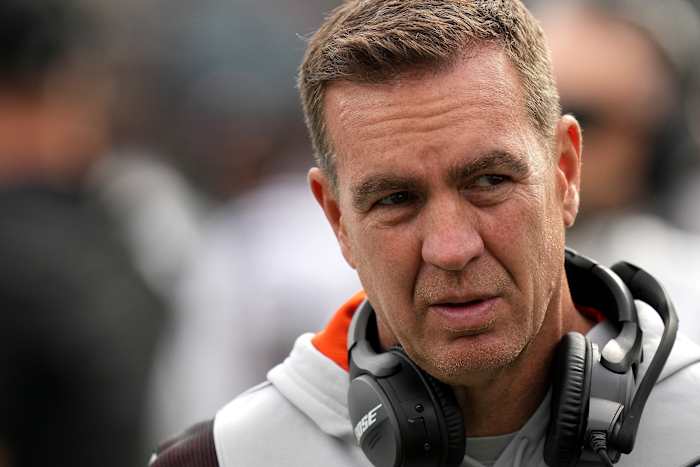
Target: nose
pixel 451 238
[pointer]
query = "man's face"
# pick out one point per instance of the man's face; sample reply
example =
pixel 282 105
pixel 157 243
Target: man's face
pixel 451 209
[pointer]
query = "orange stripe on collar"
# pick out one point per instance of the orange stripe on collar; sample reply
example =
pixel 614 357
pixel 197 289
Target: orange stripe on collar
pixel 591 313
pixel 332 341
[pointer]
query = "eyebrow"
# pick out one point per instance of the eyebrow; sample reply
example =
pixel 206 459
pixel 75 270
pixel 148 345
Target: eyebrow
pixel 382 183
pixel 493 160
pixel 365 190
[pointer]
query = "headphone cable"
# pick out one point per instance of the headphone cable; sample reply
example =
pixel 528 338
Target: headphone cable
pixel 598 442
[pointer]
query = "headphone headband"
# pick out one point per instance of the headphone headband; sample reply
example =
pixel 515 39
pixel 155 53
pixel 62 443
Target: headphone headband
pixel 596 286
pixel 647 289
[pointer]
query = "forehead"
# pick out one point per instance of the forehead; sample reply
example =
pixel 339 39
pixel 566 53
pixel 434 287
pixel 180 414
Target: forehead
pixel 485 72
pixel 477 100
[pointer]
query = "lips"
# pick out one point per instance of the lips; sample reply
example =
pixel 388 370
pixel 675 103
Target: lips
pixel 459 302
pixel 470 315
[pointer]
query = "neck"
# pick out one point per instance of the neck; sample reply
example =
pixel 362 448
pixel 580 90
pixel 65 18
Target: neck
pixel 501 402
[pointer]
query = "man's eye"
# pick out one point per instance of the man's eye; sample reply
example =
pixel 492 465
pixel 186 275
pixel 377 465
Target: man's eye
pixel 400 197
pixel 490 181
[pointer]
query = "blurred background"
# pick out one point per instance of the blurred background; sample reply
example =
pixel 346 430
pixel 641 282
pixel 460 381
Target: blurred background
pixel 159 248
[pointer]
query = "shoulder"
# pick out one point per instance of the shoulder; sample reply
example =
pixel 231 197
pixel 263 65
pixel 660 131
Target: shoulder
pixel 297 418
pixel 257 427
pixel 254 426
pixel 263 427
pixel 670 423
pixel 258 410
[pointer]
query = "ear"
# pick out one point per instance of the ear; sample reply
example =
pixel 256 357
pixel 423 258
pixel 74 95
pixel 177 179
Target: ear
pixel 326 197
pixel 569 148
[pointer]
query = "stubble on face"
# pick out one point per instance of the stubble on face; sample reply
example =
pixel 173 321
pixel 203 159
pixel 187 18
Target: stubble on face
pixel 524 289
pixel 456 356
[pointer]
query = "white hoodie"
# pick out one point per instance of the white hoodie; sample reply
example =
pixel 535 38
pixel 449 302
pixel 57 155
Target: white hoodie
pixel 299 417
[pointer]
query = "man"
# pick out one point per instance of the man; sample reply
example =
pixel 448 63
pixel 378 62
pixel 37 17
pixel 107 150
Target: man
pixel 449 177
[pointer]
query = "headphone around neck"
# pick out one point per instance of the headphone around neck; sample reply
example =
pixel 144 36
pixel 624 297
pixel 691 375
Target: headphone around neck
pixel 403 417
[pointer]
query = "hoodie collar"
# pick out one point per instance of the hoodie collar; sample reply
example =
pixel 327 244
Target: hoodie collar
pixel 333 340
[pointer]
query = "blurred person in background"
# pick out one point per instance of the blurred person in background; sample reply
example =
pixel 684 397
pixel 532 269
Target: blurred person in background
pixel 621 68
pixel 78 322
pixel 268 268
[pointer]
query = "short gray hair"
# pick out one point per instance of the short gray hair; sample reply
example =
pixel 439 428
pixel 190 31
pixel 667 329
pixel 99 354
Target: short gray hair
pixel 373 40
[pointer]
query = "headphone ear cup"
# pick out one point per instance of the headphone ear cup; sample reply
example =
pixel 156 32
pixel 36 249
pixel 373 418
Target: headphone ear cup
pixel 571 388
pixel 456 437
pixel 449 410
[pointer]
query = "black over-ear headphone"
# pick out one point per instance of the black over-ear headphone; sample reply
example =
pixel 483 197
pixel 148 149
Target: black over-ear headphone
pixel 404 417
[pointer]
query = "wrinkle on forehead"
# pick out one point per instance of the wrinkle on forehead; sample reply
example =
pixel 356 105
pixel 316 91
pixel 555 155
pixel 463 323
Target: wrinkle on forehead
pixel 370 110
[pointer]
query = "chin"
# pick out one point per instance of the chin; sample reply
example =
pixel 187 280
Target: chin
pixel 466 359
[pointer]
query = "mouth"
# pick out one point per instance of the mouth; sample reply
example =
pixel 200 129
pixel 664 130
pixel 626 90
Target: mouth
pixel 471 316
pixel 460 303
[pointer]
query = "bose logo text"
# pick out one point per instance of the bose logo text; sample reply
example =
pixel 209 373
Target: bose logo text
pixel 365 422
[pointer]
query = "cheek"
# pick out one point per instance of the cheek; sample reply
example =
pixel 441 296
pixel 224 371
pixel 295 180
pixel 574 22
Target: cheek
pixel 387 254
pixel 387 262
pixel 513 232
pixel 547 247
pixel 523 237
